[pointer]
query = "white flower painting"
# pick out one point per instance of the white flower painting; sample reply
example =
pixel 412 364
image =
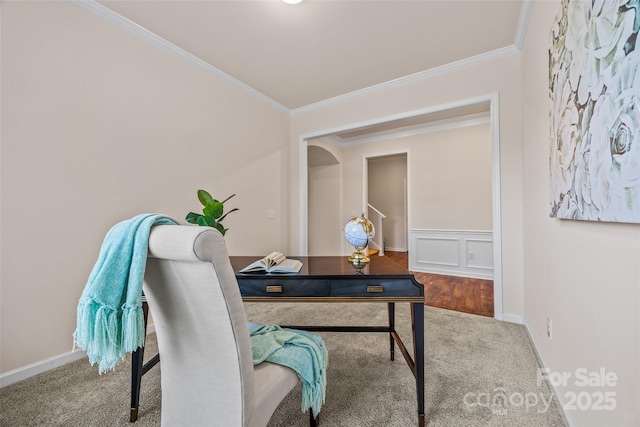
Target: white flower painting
pixel 594 87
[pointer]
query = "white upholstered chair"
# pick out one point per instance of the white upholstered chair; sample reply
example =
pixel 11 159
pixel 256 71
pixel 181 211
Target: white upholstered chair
pixel 208 377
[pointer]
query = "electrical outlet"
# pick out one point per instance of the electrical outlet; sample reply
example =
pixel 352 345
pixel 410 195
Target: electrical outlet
pixel 549 327
pixel 471 255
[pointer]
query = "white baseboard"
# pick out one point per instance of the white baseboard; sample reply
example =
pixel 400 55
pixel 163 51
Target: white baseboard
pixel 556 394
pixel 513 318
pixel 36 368
pixel 387 248
pixel 455 273
pixel 28 371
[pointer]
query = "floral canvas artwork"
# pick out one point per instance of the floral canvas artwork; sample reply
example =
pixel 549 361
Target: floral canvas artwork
pixel 594 86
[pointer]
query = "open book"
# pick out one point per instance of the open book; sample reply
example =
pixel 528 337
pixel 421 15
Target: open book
pixel 275 262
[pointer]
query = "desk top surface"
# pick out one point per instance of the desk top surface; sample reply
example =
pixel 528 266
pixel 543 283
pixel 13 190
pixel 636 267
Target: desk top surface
pixel 323 266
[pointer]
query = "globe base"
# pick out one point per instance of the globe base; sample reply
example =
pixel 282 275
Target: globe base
pixel 359 259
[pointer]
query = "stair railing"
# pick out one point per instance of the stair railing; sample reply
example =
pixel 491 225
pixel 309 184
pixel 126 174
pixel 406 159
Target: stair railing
pixel 376 217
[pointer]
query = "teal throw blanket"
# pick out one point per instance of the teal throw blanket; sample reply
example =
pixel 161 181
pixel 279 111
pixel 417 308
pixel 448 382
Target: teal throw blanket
pixel 302 351
pixel 110 321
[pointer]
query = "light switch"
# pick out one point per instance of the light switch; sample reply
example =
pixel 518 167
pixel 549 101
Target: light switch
pixel 271 213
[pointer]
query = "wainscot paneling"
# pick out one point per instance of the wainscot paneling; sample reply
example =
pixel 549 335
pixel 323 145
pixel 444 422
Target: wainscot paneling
pixel 452 252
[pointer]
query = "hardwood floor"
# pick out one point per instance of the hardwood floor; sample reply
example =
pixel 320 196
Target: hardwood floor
pixel 464 294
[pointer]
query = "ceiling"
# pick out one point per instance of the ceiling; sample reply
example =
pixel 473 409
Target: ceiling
pixel 298 55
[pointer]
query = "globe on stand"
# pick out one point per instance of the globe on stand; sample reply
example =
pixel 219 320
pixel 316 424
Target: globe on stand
pixel 359 232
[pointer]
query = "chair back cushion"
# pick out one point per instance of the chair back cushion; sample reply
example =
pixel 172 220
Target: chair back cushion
pixel 203 339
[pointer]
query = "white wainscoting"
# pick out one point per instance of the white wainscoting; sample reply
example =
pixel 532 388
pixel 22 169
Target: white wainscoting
pixel 452 252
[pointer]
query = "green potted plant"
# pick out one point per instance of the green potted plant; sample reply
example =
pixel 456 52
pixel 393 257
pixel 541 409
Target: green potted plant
pixel 212 212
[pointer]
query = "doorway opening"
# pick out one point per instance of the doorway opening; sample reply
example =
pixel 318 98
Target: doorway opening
pixel 397 124
pixel 386 192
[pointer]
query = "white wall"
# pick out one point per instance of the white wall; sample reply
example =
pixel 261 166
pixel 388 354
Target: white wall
pixel 585 276
pixel 326 230
pixel 451 179
pixel 99 125
pixel 325 236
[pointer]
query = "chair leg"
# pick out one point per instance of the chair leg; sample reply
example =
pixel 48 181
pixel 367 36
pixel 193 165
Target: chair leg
pixel 313 421
pixel 137 369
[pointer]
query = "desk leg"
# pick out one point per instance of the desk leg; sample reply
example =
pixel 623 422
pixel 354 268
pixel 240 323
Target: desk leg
pixel 137 359
pixel 417 323
pixel 392 327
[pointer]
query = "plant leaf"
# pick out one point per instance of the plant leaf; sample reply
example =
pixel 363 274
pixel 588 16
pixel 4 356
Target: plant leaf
pixel 205 198
pixel 224 201
pixel 213 212
pixel 213 209
pixel 232 210
pixel 192 217
pixel 221 228
pixel 207 221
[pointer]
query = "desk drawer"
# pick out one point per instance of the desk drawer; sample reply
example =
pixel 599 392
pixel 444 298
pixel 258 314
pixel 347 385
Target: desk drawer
pixel 374 288
pixel 279 287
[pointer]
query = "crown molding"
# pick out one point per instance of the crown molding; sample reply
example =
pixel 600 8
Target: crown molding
pixel 523 23
pixel 115 18
pixel 521 31
pixel 111 16
pixel 463 63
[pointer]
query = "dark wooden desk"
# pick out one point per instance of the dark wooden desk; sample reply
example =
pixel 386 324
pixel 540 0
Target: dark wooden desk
pixel 329 279
pixel 333 279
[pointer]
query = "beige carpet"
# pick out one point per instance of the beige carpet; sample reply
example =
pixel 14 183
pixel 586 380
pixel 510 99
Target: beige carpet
pixel 479 372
